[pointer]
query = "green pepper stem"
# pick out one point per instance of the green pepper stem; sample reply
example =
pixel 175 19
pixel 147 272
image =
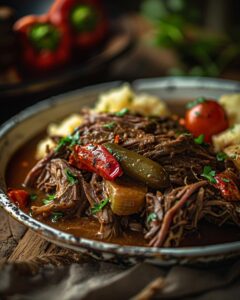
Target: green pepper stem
pixel 83 18
pixel 44 36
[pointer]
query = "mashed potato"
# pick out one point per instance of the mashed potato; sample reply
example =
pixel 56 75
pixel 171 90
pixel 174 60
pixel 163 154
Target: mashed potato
pixel 227 138
pixel 124 97
pixel 65 128
pixel 111 101
pixel 231 104
pixel 234 153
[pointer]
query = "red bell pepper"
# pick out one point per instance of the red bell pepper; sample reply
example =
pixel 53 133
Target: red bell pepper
pixel 85 21
pixel 45 46
pixel 226 182
pixel 19 197
pixel 97 159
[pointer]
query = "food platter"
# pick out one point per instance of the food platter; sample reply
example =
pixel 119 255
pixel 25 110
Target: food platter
pixel 33 120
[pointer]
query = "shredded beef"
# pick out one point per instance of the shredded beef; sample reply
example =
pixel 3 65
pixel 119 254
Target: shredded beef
pixel 52 178
pixel 168 213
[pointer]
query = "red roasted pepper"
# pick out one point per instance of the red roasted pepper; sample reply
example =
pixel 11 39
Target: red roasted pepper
pixel 45 46
pixel 97 159
pixel 116 139
pixel 85 21
pixel 226 182
pixel 19 197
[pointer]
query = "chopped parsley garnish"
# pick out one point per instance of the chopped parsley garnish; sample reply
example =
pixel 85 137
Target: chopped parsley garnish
pixel 49 199
pixel 209 174
pixel 197 113
pixel 221 156
pixel 122 112
pixel 72 179
pixel 195 102
pixel 186 134
pixel 109 150
pixel 225 179
pixel 110 125
pixel 177 132
pixel 70 140
pixel 33 197
pixel 55 216
pixel 200 139
pixel 75 139
pixel 151 217
pixel 99 206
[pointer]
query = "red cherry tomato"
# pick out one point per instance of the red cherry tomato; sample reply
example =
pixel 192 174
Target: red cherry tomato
pixel 206 117
pixel 19 197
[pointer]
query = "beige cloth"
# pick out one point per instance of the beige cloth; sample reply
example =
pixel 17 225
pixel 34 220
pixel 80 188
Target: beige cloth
pixel 99 280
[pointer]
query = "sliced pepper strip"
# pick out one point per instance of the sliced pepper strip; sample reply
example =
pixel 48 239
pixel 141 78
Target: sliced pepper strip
pixel 97 159
pixel 227 185
pixel 19 197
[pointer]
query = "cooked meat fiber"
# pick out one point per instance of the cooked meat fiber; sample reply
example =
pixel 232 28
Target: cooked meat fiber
pixel 169 213
pixel 53 179
pixel 109 223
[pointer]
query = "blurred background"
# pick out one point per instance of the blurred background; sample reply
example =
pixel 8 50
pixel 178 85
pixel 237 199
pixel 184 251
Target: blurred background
pixel 148 38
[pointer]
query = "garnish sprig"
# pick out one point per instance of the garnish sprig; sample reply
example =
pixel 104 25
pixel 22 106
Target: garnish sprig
pixel 72 179
pixel 55 216
pixel 122 112
pixel 70 140
pixel 151 217
pixel 99 206
pixel 49 199
pixel 209 174
pixel 195 102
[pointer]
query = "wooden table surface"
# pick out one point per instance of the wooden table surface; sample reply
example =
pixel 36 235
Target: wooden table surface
pixel 20 244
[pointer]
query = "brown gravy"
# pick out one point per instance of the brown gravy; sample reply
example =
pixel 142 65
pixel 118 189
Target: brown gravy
pixel 23 160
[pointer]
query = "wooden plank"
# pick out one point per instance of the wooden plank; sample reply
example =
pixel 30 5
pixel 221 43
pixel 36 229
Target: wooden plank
pixel 10 233
pixel 33 248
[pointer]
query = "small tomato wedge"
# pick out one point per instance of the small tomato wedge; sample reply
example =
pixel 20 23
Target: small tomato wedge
pixel 97 159
pixel 19 197
pixel 206 117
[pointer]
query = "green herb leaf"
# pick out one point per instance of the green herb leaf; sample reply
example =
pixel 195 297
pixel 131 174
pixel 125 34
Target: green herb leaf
pixel 72 179
pixel 225 179
pixel 233 156
pixel 63 142
pixel 55 216
pixel 49 199
pixel 70 140
pixel 33 197
pixel 151 217
pixel 116 155
pixel 110 125
pixel 197 113
pixel 99 206
pixel 195 102
pixel 200 139
pixel 177 132
pixel 221 156
pixel 122 112
pixel 75 139
pixel 209 174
